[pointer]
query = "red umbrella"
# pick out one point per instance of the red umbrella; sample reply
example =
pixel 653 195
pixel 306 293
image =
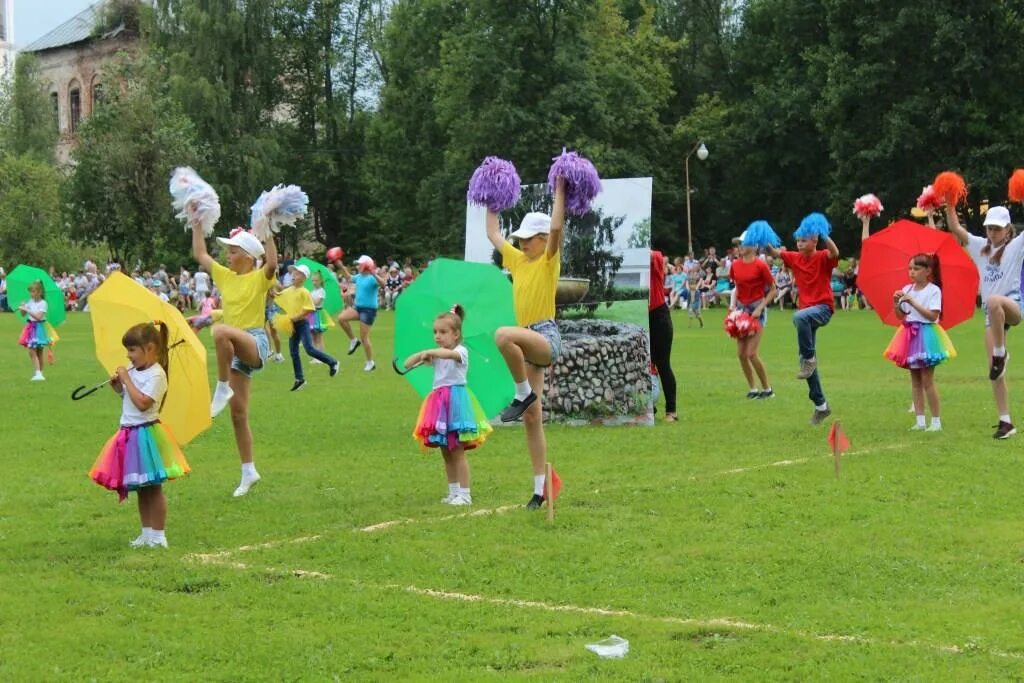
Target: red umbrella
pixel 884 261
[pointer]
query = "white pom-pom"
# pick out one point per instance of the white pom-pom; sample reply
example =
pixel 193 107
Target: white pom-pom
pixel 280 205
pixel 195 201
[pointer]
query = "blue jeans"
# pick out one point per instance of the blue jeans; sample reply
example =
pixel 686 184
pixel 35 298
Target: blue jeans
pixel 807 321
pixel 301 334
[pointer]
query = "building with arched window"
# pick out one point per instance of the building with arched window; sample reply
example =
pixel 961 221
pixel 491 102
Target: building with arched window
pixel 71 60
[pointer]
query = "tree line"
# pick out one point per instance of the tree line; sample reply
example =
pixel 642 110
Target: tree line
pixel 381 109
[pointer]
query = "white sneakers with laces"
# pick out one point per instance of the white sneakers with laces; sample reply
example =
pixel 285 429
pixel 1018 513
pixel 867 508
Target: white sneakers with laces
pixel 248 481
pixel 221 395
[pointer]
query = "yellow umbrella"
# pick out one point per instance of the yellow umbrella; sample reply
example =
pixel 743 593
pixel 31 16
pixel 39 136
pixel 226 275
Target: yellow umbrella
pixel 119 303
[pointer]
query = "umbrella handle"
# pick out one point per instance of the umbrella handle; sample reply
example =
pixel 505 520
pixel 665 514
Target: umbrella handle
pixel 399 369
pixel 78 394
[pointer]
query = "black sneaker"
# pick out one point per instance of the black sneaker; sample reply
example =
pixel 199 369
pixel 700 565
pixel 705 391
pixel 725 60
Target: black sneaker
pixel 998 367
pixel 1004 430
pixel 767 393
pixel 818 416
pixel 535 503
pixel 334 369
pixel 753 393
pixel 515 410
pixel 299 383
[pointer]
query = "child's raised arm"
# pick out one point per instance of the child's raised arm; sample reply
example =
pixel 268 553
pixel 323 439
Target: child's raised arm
pixel 199 252
pixel 833 250
pixel 270 258
pixel 557 235
pixel 494 235
pixel 953 221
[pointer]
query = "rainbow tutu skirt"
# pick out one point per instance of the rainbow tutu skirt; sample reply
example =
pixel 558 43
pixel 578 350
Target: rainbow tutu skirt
pixel 920 345
pixel 138 456
pixel 38 334
pixel 318 320
pixel 449 417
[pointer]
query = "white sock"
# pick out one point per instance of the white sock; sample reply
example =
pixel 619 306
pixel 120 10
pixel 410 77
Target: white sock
pixel 463 491
pixel 1005 418
pixel 823 406
pixel 920 420
pixel 453 488
pixel 936 422
pixel 999 351
pixel 538 484
pixel 158 535
pixel 523 389
pixel 147 532
pixel 222 386
pixel 248 469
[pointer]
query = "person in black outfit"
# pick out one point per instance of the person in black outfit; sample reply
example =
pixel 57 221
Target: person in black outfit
pixel 659 321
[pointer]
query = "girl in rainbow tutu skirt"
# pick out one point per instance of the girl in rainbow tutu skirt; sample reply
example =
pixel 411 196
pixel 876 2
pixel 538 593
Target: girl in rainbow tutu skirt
pixel 37 333
pixel 318 320
pixel 143 454
pixel 920 343
pixel 451 418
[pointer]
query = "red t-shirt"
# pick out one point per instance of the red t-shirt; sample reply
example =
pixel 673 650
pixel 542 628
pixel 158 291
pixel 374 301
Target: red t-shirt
pixel 813 276
pixel 657 291
pixel 752 279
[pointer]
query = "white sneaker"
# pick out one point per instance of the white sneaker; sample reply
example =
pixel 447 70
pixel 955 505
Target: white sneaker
pixel 918 428
pixel 38 377
pixel 315 362
pixel 221 396
pixel 461 499
pixel 246 484
pixel 447 500
pixel 353 344
pixel 156 543
pixel 370 366
pixel 139 541
pixel 277 357
pixel 934 428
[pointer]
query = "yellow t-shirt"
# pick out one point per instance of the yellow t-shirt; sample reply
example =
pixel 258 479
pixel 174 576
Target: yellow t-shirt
pixel 533 284
pixel 242 296
pixel 294 300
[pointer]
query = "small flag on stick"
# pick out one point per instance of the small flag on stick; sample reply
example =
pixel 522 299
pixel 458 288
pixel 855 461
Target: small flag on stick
pixel 838 442
pixel 552 487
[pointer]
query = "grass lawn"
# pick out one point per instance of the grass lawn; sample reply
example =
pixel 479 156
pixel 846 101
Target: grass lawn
pixel 720 546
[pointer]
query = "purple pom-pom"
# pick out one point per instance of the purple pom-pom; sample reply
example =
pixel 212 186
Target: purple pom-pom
pixel 495 184
pixel 582 183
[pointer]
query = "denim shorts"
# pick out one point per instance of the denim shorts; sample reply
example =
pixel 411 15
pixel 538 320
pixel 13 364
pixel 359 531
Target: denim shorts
pixel 366 315
pixel 262 346
pixel 749 308
pixel 1013 296
pixel 549 330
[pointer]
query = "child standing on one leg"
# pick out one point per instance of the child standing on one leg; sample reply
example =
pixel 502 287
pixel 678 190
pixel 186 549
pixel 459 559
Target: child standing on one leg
pixel 297 303
pixel 450 418
pixel 367 283
pixel 812 272
pixel 36 335
pixel 536 344
pixel 754 293
pixel 240 340
pixel 143 454
pixel 920 344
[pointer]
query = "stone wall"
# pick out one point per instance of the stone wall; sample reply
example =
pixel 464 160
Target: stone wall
pixel 604 372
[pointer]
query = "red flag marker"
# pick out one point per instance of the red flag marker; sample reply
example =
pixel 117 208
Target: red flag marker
pixel 552 486
pixel 838 442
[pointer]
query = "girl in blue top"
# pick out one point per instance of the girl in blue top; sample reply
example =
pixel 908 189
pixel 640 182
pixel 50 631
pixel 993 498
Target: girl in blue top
pixel 367 284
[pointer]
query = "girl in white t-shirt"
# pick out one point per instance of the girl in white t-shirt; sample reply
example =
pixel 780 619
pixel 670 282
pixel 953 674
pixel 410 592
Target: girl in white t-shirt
pixel 451 418
pixel 37 333
pixel 143 454
pixel 318 320
pixel 920 343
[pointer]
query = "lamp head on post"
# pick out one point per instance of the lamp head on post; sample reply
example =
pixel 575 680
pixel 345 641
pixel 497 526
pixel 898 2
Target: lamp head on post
pixel 702 153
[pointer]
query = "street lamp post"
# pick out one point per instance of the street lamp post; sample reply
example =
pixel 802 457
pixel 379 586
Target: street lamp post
pixel 702 153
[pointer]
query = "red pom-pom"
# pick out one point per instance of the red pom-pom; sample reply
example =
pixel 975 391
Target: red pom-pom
pixel 740 324
pixel 1016 187
pixel 929 200
pixel 867 206
pixel 951 187
pixel 335 254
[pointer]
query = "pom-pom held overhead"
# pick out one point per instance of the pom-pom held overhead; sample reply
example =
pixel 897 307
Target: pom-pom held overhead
pixel 760 234
pixel 280 205
pixel 335 254
pixel 1015 191
pixel 495 184
pixel 813 225
pixel 582 182
pixel 194 199
pixel 951 187
pixel 929 200
pixel 867 206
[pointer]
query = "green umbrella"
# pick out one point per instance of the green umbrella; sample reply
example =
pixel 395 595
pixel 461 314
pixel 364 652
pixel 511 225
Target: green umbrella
pixel 486 295
pixel 18 282
pixel 332 295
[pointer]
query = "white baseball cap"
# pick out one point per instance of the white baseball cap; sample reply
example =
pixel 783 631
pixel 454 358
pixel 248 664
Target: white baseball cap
pixel 534 223
pixel 244 240
pixel 998 216
pixel 304 269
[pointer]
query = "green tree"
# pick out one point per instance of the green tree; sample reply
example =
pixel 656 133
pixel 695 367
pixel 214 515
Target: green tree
pixel 26 118
pixel 30 212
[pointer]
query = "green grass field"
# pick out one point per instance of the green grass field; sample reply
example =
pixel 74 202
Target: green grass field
pixel 720 546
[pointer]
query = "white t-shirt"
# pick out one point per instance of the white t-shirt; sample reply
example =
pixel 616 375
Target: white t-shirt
pixel 153 383
pixel 448 373
pixel 1002 278
pixel 929 298
pixel 318 297
pixel 37 309
pixel 202 282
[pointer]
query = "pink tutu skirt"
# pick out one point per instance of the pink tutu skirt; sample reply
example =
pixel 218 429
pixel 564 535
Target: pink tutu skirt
pixel 449 417
pixel 37 334
pixel 143 455
pixel 920 345
pixel 318 320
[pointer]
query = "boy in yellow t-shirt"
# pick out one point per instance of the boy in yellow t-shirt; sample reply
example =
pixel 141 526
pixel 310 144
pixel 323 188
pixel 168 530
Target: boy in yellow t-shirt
pixel 297 304
pixel 535 344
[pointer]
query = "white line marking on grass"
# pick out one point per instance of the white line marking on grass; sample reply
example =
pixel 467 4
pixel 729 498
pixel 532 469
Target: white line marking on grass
pixel 798 461
pixel 475 513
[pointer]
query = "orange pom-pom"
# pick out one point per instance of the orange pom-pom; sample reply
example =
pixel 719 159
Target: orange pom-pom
pixel 1016 188
pixel 951 187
